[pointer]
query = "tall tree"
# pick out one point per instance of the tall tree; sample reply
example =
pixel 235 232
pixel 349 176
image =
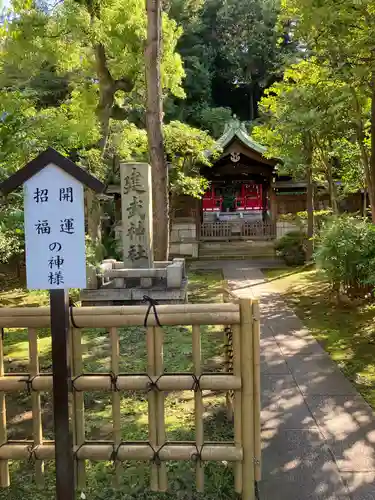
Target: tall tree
pixel 231 54
pixel 97 47
pixel 306 115
pixel 341 35
pixel 154 119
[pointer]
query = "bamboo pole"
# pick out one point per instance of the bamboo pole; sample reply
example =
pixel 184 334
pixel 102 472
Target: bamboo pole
pixel 247 370
pixel 228 295
pixel 102 451
pixel 237 406
pixel 102 382
pixel 78 406
pixel 116 401
pixel 122 310
pixel 4 466
pixel 71 395
pixel 160 415
pixel 199 430
pixel 35 403
pixel 257 404
pixel 112 320
pixel 225 288
pixel 152 425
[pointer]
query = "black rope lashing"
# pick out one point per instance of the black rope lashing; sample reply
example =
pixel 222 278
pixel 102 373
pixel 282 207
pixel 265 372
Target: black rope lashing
pixel 32 449
pixel 74 388
pixel 75 454
pixel 229 348
pixel 153 385
pixel 71 305
pixel 114 380
pixel 115 451
pixel 197 456
pixel 29 383
pixel 152 303
pixel 196 383
pixel 156 458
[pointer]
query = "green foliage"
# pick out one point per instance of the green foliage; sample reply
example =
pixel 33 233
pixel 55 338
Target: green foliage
pixel 346 255
pixel 344 51
pixel 95 253
pixel 230 54
pixel 292 248
pixel 11 232
pixel 52 77
pixel 300 218
pixel 186 149
pixel 214 119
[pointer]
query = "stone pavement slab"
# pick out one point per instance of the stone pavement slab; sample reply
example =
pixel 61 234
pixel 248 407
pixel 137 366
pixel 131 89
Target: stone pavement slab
pixel 347 424
pixel 361 485
pixel 283 404
pixel 318 374
pixel 318 434
pixel 271 359
pixel 298 465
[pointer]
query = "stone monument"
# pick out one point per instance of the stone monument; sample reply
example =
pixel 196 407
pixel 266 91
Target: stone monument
pixel 136 207
pixel 127 282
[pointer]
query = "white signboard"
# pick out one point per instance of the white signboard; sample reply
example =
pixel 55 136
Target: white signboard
pixel 54 231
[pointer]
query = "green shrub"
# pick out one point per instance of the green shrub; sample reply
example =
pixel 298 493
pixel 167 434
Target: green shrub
pixel 346 255
pixel 300 218
pixel 292 248
pixel 11 234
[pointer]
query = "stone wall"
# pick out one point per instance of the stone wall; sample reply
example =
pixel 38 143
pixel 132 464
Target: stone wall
pixel 183 239
pixel 283 228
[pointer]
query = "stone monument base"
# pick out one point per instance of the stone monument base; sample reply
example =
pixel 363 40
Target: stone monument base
pixel 166 282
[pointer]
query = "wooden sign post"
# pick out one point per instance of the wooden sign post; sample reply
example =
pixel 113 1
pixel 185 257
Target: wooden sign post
pixel 56 260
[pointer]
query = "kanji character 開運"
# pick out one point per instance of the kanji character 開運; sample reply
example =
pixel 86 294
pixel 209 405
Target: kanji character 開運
pixel 66 194
pixel 67 226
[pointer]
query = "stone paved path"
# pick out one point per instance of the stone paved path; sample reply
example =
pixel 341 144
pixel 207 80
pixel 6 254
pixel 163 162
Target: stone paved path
pixel 318 433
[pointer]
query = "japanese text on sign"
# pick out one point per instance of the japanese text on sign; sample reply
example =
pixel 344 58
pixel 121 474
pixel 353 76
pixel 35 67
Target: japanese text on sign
pixel 54 230
pixel 136 203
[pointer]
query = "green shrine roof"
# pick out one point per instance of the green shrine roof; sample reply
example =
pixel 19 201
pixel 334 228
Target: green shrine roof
pixel 236 129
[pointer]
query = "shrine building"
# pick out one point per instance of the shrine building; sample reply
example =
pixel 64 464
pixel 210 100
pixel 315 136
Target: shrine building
pixel 244 200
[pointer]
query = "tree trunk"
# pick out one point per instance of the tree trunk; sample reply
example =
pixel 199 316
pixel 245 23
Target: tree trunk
pixel 364 202
pixel 372 160
pixel 160 193
pixel 364 156
pixel 332 188
pixel 93 216
pixel 310 213
pixel 310 199
pixel 366 168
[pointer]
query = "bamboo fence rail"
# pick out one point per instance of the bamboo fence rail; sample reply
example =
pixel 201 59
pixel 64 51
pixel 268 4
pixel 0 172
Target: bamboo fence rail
pixel 241 380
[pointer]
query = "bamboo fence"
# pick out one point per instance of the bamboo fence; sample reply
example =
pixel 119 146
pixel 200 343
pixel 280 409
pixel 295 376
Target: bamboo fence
pixel 241 380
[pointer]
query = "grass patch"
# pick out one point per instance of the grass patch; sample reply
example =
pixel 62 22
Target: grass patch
pixel 347 332
pixel 179 406
pixel 275 274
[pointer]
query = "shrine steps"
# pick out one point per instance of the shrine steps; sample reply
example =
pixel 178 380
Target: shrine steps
pixel 240 250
